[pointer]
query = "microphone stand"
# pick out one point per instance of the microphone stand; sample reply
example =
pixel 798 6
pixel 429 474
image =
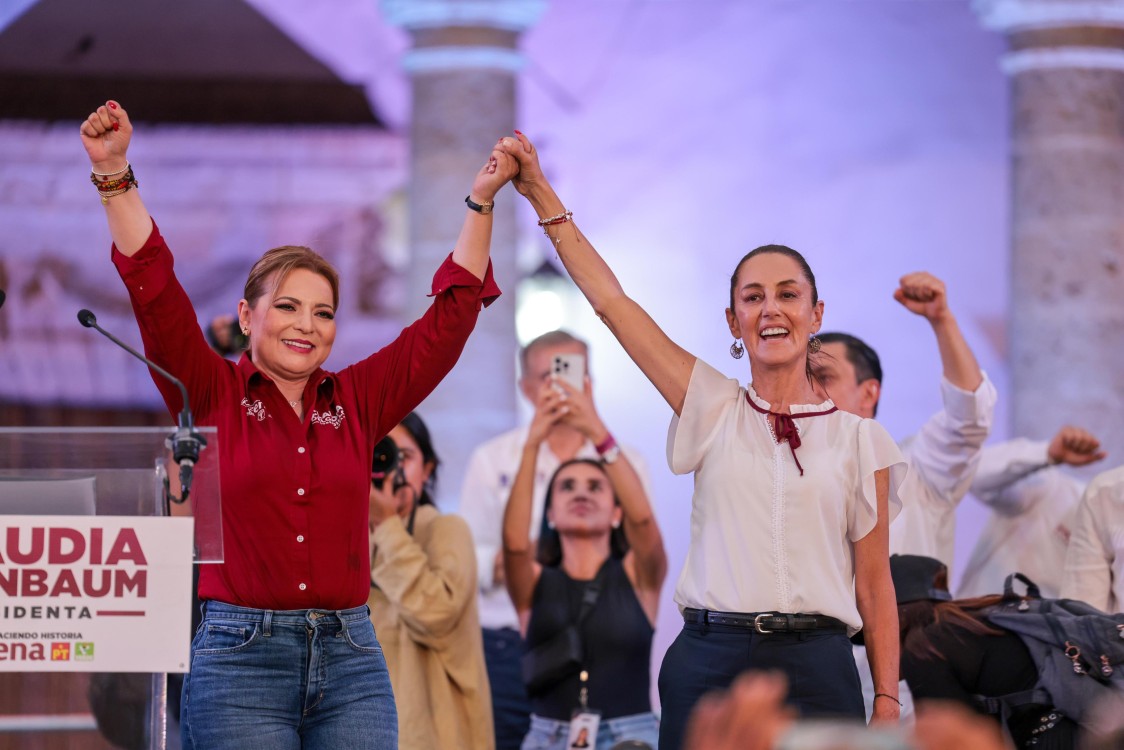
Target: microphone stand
pixel 185 443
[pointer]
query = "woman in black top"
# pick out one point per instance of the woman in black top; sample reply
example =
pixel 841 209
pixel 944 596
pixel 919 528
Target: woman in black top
pixel 598 531
pixel 950 651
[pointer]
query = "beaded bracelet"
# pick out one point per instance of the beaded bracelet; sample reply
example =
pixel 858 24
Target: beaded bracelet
pixel 105 186
pixel 110 188
pixel 561 218
pixel 110 174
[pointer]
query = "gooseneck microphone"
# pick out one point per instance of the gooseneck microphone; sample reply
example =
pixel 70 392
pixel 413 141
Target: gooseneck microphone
pixel 185 442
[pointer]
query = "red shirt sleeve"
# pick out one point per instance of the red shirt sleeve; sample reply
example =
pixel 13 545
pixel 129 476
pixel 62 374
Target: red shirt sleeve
pixel 168 325
pixel 398 377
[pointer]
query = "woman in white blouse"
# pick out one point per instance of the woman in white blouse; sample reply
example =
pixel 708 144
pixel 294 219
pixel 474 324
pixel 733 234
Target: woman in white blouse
pixel 789 551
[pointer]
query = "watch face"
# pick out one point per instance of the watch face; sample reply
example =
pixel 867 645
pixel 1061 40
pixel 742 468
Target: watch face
pixel 480 208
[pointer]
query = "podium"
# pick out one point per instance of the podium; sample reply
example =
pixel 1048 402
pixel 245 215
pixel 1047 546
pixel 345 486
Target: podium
pixel 96 583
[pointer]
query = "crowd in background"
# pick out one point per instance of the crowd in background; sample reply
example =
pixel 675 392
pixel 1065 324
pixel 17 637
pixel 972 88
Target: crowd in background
pixel 820 548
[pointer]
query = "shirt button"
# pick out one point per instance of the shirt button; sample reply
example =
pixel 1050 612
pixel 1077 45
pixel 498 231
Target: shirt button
pixel 302 587
pixel 300 537
pixel 300 491
pixel 301 449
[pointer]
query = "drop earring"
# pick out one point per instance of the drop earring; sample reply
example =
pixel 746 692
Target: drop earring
pixel 737 351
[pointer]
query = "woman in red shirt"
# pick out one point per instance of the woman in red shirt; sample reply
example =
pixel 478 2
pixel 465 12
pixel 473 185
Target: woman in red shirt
pixel 286 656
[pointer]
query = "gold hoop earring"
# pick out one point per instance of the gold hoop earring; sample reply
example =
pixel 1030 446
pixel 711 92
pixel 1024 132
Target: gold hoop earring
pixel 737 351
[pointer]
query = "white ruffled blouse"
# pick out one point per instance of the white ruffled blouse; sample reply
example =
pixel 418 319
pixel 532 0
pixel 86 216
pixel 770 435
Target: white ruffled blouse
pixel 765 538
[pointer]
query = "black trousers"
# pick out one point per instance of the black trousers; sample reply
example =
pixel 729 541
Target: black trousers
pixel 822 678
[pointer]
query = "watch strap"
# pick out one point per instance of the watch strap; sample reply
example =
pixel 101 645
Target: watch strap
pixel 480 208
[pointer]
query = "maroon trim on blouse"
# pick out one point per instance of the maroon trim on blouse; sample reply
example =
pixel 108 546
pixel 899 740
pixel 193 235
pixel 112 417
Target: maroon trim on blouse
pixel 785 429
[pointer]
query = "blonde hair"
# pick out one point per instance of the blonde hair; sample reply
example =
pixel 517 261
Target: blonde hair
pixel 280 262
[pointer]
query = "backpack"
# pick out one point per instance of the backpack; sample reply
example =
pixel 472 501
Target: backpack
pixel 1078 650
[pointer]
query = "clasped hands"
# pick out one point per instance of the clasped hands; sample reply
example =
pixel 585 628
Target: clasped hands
pixel 513 159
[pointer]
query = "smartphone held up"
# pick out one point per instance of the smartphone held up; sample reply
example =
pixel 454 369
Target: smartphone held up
pixel 570 368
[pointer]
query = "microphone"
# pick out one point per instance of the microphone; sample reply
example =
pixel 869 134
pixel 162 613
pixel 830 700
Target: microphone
pixel 185 442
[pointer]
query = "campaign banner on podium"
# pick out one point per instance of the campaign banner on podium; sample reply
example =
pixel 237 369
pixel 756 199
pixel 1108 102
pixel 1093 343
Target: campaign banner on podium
pixel 95 593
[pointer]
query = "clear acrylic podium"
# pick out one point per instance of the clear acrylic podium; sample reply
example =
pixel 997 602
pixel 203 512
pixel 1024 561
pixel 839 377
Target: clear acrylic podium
pixel 100 471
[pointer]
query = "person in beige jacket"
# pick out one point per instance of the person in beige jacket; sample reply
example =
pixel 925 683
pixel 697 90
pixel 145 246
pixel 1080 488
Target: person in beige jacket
pixel 423 605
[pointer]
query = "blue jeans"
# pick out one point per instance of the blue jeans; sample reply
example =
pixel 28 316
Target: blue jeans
pixel 511 708
pixel 287 680
pixel 548 734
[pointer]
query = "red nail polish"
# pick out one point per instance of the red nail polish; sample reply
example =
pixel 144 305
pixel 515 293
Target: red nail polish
pixel 112 105
pixel 116 127
pixel 517 132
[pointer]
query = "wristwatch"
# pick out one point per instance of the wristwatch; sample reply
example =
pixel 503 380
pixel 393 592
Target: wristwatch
pixel 480 208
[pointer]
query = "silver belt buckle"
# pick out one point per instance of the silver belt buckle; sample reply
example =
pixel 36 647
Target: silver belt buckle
pixel 757 624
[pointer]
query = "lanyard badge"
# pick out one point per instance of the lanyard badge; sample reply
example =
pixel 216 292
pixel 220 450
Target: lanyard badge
pixel 584 721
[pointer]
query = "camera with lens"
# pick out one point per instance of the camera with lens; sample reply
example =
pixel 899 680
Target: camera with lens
pixel 387 462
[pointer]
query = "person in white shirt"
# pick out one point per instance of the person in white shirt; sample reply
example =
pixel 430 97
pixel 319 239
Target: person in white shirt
pixel 1094 562
pixel 944 454
pixel 793 498
pixel 487 485
pixel 1033 506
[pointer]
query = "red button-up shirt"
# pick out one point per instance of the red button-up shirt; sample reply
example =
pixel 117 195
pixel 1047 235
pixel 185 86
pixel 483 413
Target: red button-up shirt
pixel 295 495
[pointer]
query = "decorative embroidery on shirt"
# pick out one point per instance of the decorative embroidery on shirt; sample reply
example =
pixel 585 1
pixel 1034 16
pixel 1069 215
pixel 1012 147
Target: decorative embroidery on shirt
pixel 326 417
pixel 255 409
pixel 780 543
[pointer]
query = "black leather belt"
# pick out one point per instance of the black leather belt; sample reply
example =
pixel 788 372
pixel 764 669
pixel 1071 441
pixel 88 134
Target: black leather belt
pixel 765 622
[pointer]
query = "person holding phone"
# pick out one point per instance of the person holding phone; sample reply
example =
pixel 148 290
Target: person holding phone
pixel 793 498
pixel 286 656
pixel 423 603
pixel 484 495
pixel 589 590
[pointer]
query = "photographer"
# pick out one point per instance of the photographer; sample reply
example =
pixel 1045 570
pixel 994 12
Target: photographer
pixel 423 600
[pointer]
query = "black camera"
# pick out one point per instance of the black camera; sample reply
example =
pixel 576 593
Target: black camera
pixel 227 338
pixel 385 463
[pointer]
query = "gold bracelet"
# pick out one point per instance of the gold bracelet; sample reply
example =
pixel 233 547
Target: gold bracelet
pixel 106 196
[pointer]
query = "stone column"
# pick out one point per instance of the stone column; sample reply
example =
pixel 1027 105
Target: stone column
pixel 463 65
pixel 1065 60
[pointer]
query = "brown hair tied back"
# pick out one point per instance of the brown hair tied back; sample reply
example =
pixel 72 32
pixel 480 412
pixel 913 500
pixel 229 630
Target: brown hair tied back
pixel 805 270
pixel 279 262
